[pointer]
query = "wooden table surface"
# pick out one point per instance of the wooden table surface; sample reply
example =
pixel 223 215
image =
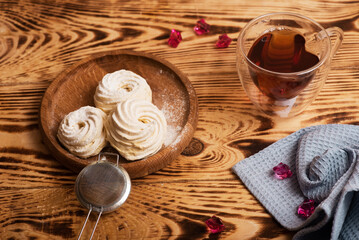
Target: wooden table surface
pixel 40 39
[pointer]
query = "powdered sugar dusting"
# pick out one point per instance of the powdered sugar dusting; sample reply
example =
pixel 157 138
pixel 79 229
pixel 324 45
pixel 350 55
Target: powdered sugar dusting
pixel 172 118
pixel 173 105
pixel 172 134
pixel 171 111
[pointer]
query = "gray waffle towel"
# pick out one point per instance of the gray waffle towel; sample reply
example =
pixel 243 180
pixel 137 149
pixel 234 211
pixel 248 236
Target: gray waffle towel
pixel 324 162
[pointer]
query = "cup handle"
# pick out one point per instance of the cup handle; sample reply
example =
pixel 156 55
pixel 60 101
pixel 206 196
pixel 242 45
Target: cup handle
pixel 339 34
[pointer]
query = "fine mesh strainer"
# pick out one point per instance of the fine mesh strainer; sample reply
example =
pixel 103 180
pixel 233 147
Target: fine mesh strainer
pixel 102 187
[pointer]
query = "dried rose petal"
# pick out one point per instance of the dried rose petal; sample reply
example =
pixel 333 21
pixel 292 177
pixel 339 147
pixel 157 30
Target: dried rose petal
pixel 306 208
pixel 223 41
pixel 215 224
pixel 201 27
pixel 282 171
pixel 175 38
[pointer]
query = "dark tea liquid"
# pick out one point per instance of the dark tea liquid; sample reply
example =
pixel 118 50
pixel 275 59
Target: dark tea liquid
pixel 281 51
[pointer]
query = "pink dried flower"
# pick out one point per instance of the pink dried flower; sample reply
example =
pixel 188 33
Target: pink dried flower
pixel 306 208
pixel 223 41
pixel 282 171
pixel 215 224
pixel 201 27
pixel 175 38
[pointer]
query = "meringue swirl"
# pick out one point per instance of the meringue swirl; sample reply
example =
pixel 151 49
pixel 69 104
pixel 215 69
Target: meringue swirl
pixel 136 129
pixel 119 86
pixel 82 131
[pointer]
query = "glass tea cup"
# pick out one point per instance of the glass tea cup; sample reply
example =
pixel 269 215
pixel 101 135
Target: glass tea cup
pixel 278 93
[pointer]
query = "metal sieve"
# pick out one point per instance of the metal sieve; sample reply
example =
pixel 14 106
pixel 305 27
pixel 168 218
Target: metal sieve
pixel 102 187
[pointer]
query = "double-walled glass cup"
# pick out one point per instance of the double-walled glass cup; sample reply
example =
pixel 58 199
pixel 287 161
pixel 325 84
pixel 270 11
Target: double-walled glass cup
pixel 286 94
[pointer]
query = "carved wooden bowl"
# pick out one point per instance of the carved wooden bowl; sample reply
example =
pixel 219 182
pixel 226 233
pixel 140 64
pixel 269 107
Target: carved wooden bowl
pixel 75 87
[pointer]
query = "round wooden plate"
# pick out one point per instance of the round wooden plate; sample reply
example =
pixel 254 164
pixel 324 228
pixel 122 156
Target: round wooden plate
pixel 75 87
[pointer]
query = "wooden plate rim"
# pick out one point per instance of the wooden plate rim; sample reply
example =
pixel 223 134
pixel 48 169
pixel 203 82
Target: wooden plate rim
pixel 145 166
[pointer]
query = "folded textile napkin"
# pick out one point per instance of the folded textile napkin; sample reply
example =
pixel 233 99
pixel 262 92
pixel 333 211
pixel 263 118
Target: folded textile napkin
pixel 324 162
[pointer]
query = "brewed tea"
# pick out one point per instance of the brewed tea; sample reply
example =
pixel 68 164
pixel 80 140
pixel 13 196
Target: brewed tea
pixel 281 51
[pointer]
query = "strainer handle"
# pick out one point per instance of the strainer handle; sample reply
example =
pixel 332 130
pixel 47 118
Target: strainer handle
pixel 102 156
pixel 84 225
pixel 94 228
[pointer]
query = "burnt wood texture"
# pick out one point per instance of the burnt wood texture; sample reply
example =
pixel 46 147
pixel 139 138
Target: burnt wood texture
pixel 39 40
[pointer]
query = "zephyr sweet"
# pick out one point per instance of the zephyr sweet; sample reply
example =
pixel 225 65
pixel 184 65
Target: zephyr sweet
pixel 119 86
pixel 136 129
pixel 82 132
pixel 134 126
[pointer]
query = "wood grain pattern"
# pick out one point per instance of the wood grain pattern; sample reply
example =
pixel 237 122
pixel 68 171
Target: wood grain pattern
pixel 39 39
